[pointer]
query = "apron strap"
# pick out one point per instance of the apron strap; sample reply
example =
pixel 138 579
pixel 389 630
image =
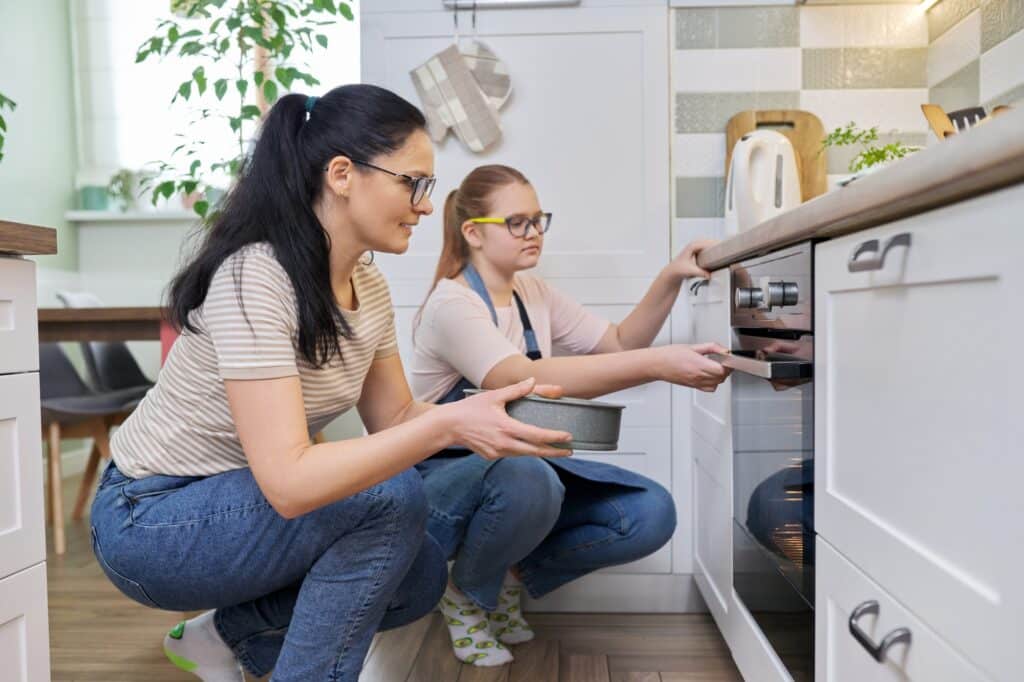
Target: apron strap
pixel 477 284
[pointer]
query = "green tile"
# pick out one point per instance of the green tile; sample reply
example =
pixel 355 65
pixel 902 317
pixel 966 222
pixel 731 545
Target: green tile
pixel 695 29
pixel 959 90
pixel 865 67
pixel 839 157
pixel 700 197
pixel 708 112
pixel 947 14
pixel 1000 19
pixel 746 27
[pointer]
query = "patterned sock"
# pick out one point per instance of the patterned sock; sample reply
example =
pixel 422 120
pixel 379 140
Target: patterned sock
pixel 196 647
pixel 507 622
pixel 471 638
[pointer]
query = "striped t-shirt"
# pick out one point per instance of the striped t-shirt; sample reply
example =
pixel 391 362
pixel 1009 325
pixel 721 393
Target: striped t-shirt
pixel 183 427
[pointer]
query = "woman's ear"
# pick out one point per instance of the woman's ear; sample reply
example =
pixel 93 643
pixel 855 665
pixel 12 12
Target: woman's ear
pixel 471 233
pixel 340 174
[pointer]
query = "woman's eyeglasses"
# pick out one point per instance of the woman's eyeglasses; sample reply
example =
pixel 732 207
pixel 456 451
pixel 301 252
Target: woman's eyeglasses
pixel 421 186
pixel 519 225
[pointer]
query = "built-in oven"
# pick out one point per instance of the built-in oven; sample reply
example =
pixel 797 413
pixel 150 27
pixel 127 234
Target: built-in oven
pixel 772 358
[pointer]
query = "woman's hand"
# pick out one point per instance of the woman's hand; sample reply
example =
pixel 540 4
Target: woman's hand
pixel 687 366
pixel 685 264
pixel 483 426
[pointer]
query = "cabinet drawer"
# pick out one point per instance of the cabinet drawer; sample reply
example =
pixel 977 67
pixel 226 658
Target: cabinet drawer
pixel 24 635
pixel 840 657
pixel 917 419
pixel 19 333
pixel 22 536
pixel 710 322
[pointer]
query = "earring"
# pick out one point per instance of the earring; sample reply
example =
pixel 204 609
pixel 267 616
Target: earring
pixel 368 262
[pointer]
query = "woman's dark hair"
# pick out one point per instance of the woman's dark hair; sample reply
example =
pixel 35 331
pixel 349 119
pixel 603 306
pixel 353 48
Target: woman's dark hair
pixel 273 197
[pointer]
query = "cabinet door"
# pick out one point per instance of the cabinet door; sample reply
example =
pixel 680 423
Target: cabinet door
pixel 24 635
pixel 839 657
pixel 22 536
pixel 918 419
pixel 709 316
pixel 19 331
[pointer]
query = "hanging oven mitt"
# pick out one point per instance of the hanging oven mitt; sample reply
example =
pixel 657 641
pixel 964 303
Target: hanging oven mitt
pixel 463 92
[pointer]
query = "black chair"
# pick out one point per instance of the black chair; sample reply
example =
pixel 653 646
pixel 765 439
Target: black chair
pixel 110 364
pixel 70 409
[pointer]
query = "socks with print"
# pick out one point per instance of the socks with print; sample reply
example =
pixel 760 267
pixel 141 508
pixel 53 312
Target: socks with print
pixel 471 638
pixel 507 622
pixel 196 647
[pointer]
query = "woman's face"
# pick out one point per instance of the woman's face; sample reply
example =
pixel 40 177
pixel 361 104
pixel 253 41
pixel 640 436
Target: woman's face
pixel 495 243
pixel 380 205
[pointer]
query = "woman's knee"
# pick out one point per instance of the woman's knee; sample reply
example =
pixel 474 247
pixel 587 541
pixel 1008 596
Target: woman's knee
pixel 402 495
pixel 529 487
pixel 656 520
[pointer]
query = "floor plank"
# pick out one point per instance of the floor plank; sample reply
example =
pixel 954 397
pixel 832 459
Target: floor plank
pixel 396 651
pixel 435 661
pixel 472 673
pixel 635 677
pixel 536 661
pixel 583 668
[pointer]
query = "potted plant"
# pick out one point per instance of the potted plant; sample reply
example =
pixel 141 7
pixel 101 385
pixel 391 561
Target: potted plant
pixel 121 188
pixel 872 155
pixel 245 49
pixel 9 104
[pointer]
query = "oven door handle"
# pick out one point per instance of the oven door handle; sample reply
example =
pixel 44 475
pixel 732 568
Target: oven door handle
pixel 776 369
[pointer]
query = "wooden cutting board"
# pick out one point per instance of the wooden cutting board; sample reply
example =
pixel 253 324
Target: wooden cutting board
pixel 803 129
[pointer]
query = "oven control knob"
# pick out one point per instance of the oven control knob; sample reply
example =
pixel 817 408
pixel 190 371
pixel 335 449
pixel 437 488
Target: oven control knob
pixel 779 294
pixel 748 298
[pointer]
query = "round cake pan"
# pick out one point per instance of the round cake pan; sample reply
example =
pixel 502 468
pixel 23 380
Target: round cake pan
pixel 594 425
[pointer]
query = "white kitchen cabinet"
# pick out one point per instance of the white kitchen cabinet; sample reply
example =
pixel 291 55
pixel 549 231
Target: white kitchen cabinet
pixel 22 535
pixel 918 428
pixel 24 638
pixel 840 657
pixel 711 441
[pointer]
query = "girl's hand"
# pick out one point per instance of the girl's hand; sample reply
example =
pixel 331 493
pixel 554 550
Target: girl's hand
pixel 685 264
pixel 687 366
pixel 483 426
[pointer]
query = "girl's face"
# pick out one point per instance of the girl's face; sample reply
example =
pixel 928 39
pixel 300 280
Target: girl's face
pixel 380 205
pixel 495 243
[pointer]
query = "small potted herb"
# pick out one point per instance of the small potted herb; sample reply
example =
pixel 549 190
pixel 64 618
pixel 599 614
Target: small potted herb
pixel 872 155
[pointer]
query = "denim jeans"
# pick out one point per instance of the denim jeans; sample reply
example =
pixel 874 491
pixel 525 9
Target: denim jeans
pixel 301 596
pixel 551 524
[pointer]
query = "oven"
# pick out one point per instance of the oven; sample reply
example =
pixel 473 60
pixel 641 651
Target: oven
pixel 772 358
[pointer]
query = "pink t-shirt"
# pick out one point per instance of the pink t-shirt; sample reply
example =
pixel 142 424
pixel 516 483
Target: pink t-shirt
pixel 457 338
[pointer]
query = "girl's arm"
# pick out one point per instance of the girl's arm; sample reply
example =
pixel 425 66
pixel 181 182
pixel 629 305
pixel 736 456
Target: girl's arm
pixel 647 318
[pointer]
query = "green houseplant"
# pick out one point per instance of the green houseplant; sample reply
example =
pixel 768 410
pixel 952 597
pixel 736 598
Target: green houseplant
pixel 122 188
pixel 9 104
pixel 870 154
pixel 245 50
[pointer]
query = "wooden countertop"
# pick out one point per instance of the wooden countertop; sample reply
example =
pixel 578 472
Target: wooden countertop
pixel 27 240
pixel 978 161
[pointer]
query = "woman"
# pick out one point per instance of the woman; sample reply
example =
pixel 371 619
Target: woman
pixel 487 324
pixel 216 499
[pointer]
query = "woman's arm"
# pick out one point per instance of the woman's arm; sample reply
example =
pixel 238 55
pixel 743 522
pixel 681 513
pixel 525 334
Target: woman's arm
pixel 642 325
pixel 297 477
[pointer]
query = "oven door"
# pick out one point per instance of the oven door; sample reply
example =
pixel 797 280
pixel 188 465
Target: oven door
pixel 773 489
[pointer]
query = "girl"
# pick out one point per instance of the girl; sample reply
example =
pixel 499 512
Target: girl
pixel 487 324
pixel 215 497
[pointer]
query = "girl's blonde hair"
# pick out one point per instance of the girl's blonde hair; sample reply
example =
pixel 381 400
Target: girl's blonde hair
pixel 470 200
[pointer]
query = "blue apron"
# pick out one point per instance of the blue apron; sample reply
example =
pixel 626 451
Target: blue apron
pixel 597 472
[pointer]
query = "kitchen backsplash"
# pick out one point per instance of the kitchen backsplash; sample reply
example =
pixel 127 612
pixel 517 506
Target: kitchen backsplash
pixel 862 63
pixel 976 53
pixel 871 64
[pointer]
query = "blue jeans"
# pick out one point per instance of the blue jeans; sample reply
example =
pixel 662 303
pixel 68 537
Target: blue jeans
pixel 303 596
pixel 554 526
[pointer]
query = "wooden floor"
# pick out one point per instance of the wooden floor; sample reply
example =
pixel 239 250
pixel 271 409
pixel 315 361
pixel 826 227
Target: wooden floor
pixel 97 634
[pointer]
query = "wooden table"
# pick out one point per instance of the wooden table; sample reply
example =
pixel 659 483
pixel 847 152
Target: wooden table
pixel 107 324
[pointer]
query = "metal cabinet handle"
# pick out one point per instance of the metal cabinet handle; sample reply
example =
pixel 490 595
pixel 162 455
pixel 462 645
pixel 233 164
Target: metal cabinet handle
pixel 876 261
pixel 695 287
pixel 877 651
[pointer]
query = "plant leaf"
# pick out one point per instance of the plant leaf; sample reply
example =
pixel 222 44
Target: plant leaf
pixel 270 91
pixel 322 39
pixel 185 89
pixel 220 87
pixel 345 11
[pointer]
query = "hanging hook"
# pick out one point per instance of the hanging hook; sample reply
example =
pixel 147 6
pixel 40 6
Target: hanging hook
pixel 455 20
pixel 474 18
